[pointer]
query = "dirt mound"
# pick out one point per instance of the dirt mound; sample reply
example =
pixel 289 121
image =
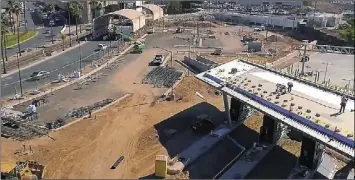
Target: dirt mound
pixel 273 38
pixel 186 91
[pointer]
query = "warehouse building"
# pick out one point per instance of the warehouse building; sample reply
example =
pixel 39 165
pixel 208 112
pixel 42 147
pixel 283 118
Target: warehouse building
pixel 130 21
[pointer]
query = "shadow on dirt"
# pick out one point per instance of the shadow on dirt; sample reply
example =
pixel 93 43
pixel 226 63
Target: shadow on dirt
pixel 175 133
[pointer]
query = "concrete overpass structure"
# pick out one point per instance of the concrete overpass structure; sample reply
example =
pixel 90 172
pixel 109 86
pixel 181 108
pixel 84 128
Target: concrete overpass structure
pixel 306 109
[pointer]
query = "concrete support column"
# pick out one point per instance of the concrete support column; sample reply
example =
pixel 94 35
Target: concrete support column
pixel 269 132
pixel 227 108
pixel 311 153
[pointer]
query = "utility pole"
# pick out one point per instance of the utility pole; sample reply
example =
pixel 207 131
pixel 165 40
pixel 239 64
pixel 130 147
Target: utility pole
pixel 304 58
pixel 51 22
pixel 69 25
pixel 171 59
pixel 19 73
pixel 325 72
pixel 80 58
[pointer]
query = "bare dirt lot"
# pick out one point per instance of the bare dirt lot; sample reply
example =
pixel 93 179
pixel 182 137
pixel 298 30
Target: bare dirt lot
pixel 124 129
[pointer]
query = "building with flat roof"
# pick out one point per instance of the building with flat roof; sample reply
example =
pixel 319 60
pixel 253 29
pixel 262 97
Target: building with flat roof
pixel 270 2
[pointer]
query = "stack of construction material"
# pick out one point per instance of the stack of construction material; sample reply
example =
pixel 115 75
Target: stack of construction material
pixel 82 111
pixel 162 77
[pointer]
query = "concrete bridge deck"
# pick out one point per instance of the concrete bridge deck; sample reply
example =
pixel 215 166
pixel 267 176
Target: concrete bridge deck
pixel 307 109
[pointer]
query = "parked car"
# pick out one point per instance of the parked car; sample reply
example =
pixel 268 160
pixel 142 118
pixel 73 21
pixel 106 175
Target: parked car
pixel 39 75
pixel 157 60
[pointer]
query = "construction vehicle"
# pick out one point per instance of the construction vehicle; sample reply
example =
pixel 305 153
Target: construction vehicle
pixel 151 30
pixel 22 170
pixel 138 47
pixel 217 51
pixel 248 38
pixel 127 38
pixel 179 30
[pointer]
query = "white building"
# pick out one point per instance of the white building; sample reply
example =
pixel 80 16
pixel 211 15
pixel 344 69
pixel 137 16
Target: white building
pixel 87 14
pixel 270 2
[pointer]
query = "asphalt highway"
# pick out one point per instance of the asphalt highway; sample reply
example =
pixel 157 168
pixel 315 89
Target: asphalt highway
pixel 65 63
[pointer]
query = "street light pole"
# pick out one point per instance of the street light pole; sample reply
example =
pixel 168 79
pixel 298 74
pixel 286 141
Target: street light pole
pixel 303 58
pixel 171 59
pixel 325 72
pixel 19 74
pixel 52 23
pixel 80 57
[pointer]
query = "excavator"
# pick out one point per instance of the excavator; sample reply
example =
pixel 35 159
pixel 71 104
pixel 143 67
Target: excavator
pixel 22 170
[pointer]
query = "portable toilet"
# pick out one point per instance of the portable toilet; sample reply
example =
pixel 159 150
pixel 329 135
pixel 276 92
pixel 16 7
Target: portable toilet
pixel 161 165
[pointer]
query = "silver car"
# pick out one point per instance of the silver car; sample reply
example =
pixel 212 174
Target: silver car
pixel 39 75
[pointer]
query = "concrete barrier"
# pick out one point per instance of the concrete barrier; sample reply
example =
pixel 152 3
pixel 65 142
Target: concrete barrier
pixel 204 60
pixel 197 65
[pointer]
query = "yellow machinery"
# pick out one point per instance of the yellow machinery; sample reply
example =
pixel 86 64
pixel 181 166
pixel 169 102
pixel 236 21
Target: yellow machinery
pixel 161 165
pixel 22 170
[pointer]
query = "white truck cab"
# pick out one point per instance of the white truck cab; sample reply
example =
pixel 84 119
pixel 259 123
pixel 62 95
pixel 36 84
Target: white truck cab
pixel 102 47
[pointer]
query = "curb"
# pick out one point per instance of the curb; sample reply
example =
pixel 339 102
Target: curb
pixel 94 112
pixel 74 81
pixel 23 40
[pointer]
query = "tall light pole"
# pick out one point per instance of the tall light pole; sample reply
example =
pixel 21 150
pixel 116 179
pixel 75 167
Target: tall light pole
pixel 171 65
pixel 80 57
pixel 19 73
pixel 68 8
pixel 303 57
pixel 325 72
pixel 51 22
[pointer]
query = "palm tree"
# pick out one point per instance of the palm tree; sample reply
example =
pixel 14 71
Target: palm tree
pixel 4 30
pixel 68 10
pixel 94 6
pixel 24 14
pixel 10 12
pixel 76 9
pixel 16 10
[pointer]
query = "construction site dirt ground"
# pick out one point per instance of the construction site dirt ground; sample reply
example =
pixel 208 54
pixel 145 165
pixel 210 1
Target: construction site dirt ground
pixel 88 148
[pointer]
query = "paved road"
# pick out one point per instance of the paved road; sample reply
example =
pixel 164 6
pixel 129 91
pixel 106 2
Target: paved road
pixel 37 41
pixel 72 56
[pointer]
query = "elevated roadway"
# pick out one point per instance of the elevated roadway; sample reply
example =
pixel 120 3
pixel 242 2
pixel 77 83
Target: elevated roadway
pixel 309 110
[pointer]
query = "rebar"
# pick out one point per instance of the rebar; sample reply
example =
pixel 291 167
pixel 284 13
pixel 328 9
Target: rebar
pixel 162 77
